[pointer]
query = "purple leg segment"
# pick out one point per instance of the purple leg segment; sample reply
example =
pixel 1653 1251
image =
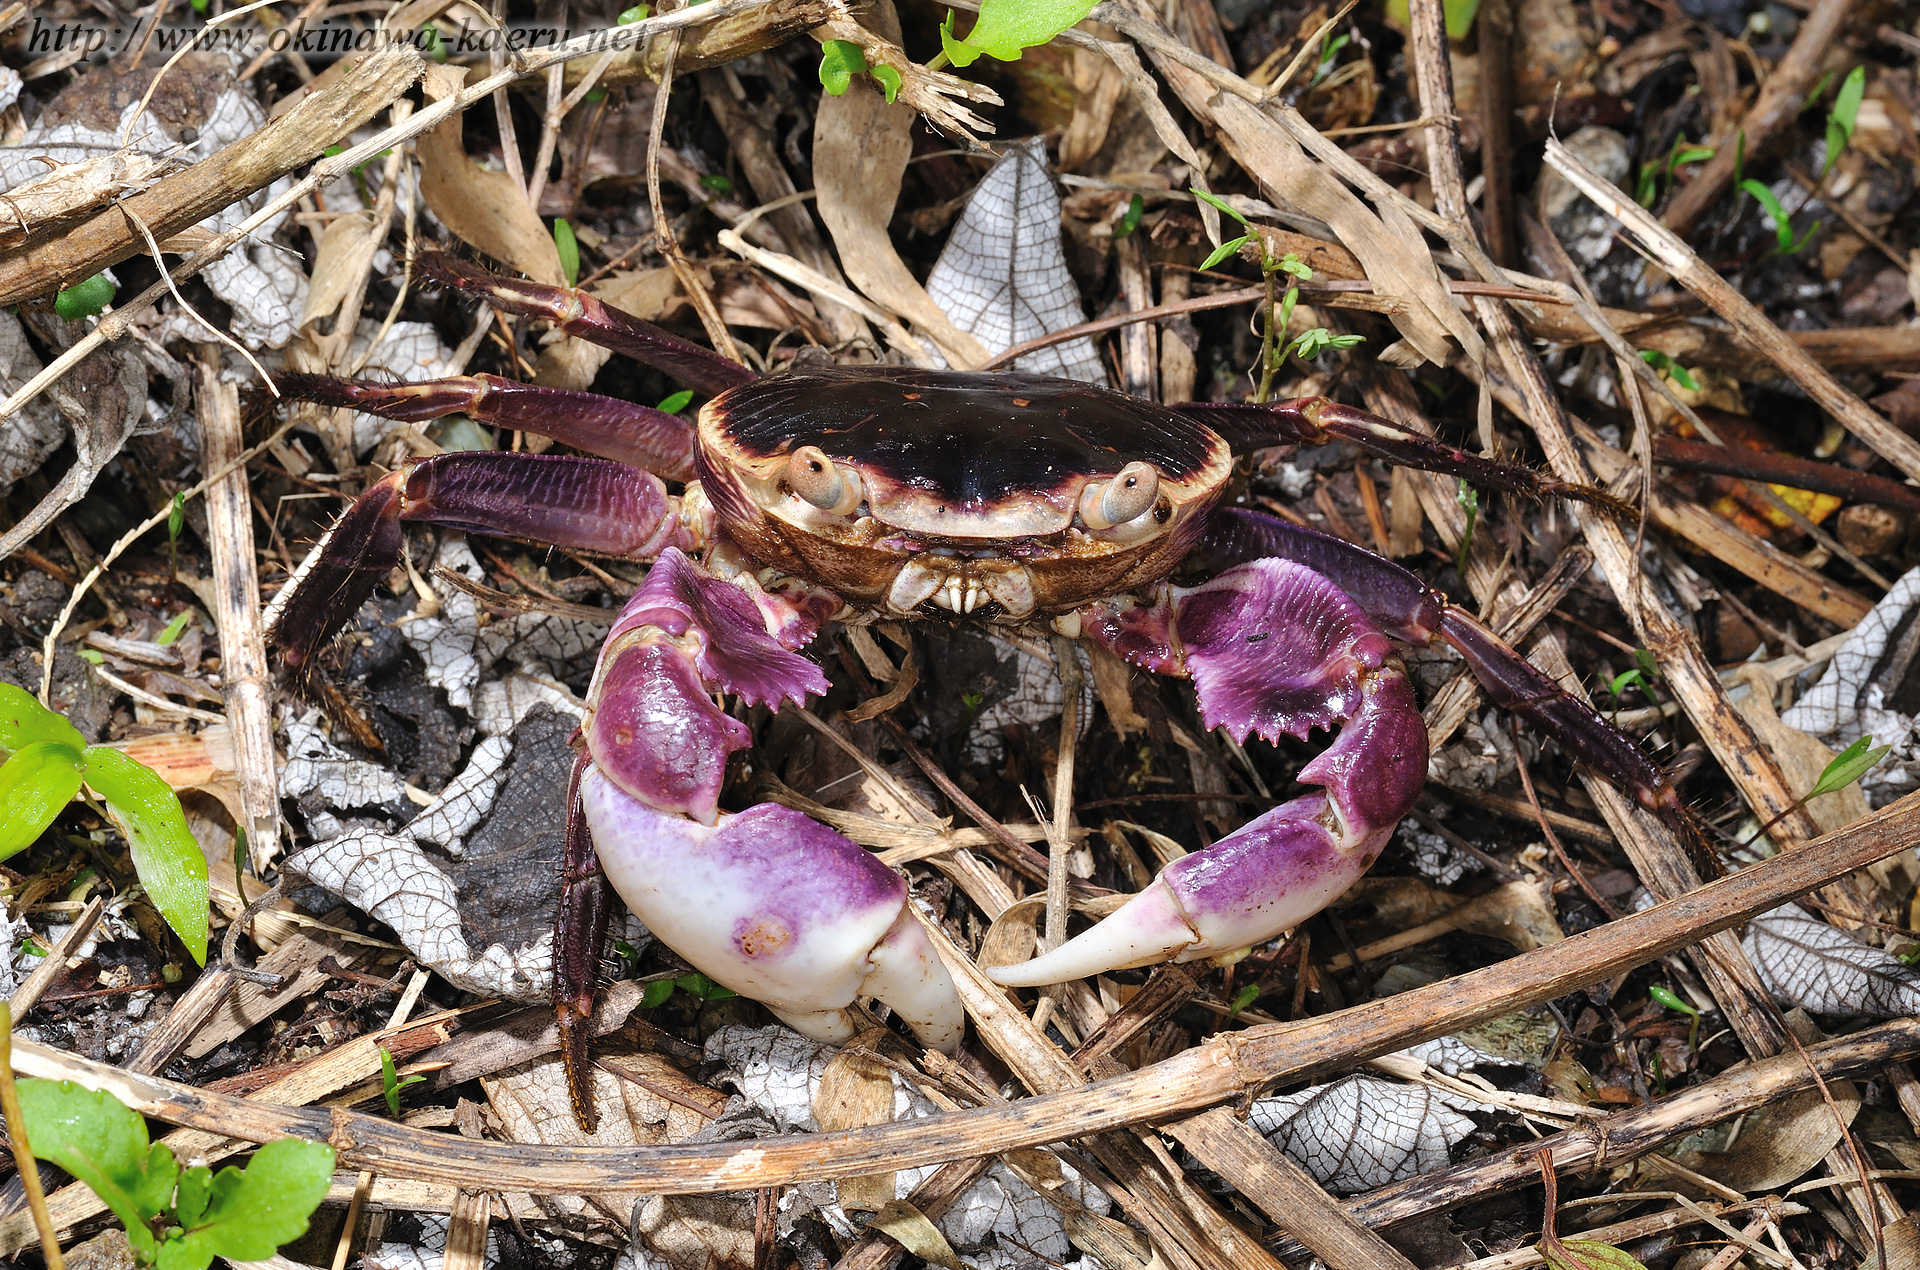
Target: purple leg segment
pixel 1318 420
pixel 578 313
pixel 587 504
pixel 613 429
pixel 1272 648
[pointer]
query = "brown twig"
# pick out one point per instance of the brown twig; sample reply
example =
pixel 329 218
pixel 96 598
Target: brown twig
pixel 23 1152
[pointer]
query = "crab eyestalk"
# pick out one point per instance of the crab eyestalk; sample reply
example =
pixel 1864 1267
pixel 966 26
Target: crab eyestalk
pixel 1130 495
pixel 820 481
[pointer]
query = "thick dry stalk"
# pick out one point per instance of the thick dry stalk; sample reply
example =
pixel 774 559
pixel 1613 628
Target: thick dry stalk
pixel 1779 102
pixel 1225 1067
pixel 188 197
pixel 244 679
pixel 1693 273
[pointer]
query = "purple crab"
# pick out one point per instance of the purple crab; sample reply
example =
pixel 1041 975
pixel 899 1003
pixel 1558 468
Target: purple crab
pixel 851 494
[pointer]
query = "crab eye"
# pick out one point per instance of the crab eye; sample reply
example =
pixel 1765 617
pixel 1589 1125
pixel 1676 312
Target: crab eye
pixel 1128 496
pixel 817 479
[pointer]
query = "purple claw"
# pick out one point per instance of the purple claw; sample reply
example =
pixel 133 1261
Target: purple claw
pixel 1272 647
pixel 777 907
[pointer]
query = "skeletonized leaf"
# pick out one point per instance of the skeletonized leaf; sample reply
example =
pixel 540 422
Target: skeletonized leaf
pixel 1003 277
pixel 1809 964
pixel 1359 1133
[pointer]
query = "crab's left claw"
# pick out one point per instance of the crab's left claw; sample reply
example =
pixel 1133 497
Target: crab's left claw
pixel 1272 648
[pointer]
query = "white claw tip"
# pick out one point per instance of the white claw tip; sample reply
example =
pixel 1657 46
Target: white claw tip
pixel 1148 929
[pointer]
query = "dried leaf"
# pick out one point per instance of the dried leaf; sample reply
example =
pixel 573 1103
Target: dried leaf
pixel 861 144
pixel 345 253
pixel 910 1228
pixel 484 209
pixel 1003 277
pixel 1359 1133
pixel 1809 964
pixel 855 1091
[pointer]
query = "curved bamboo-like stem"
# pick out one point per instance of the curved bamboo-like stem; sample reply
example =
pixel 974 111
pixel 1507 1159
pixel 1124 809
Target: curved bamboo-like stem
pixel 1227 1066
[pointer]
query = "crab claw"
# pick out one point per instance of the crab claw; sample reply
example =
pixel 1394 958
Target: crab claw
pixel 777 907
pixel 1272 648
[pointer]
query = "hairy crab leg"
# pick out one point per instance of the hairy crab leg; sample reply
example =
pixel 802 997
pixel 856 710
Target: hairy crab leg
pixel 1318 420
pixel 767 902
pixel 1412 611
pixel 580 932
pixel 588 504
pixel 578 313
pixel 1273 648
pixel 613 429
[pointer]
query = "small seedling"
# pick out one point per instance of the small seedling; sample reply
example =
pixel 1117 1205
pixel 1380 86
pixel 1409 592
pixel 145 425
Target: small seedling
pixel 1247 995
pixel 391 1083
pixel 655 994
pixel 1658 175
pixel 704 988
pixel 1130 219
pixel 1782 222
pixel 173 630
pixel 1329 54
pixel 84 299
pixel 176 521
pixel 841 60
pixel 677 402
pixel 49 761
pixel 1845 113
pixel 1469 499
pixel 568 248
pixel 714 183
pixel 1460 15
pixel 1663 995
pixel 1848 766
pixel 1662 362
pixel 176 1219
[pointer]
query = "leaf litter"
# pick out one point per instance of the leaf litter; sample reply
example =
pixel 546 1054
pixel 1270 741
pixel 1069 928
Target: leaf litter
pixel 417 790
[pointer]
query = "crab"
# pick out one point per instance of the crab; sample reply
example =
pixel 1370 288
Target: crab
pixel 850 494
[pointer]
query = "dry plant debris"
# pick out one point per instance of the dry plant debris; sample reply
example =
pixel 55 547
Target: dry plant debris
pixel 1668 248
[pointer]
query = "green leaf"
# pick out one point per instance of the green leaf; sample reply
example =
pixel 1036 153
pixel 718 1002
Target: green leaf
pixel 1662 362
pixel 840 61
pixel 1290 264
pixel 166 857
pixel 716 184
pixel 1285 312
pixel 1644 657
pixel 1847 767
pixel 1591 1254
pixel 1130 219
pixel 1672 1000
pixel 1469 499
pixel 1242 999
pixel 1846 104
pixel 93 1137
pixel 391 1083
pixel 91 655
pixel 674 404
pixel 84 299
pixel 1005 27
pixel 191 1195
pixel 569 248
pixel 1460 15
pixel 177 516
pixel 23 720
pixel 1329 50
pixel 1782 223
pixel 36 785
pixel 655 994
pixel 889 81
pixel 1622 681
pixel 1207 197
pixel 1224 250
pixel 637 13
pixel 174 630
pixel 1649 186
pixel 704 988
pixel 1345 341
pixel 250 1214
pixel 1818 91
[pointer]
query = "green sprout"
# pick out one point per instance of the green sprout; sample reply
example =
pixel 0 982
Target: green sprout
pixel 1845 112
pixel 1667 997
pixel 390 1081
pixel 1662 362
pixel 1782 222
pixel 674 404
pixel 176 1219
pixel 568 248
pixel 173 630
pixel 841 60
pixel 1130 219
pixel 1469 500
pixel 1004 28
pixel 1248 994
pixel 48 763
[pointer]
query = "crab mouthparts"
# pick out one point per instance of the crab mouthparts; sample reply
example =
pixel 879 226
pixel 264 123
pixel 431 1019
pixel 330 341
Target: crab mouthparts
pixel 962 584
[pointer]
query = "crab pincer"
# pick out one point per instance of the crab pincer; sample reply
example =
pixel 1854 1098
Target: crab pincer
pixel 767 902
pixel 1272 647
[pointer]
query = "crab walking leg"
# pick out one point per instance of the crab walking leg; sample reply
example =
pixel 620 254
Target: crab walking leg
pixel 587 504
pixel 1273 648
pixel 1411 610
pixel 578 313
pixel 613 429
pixel 1318 420
pixel 580 932
pixel 769 902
